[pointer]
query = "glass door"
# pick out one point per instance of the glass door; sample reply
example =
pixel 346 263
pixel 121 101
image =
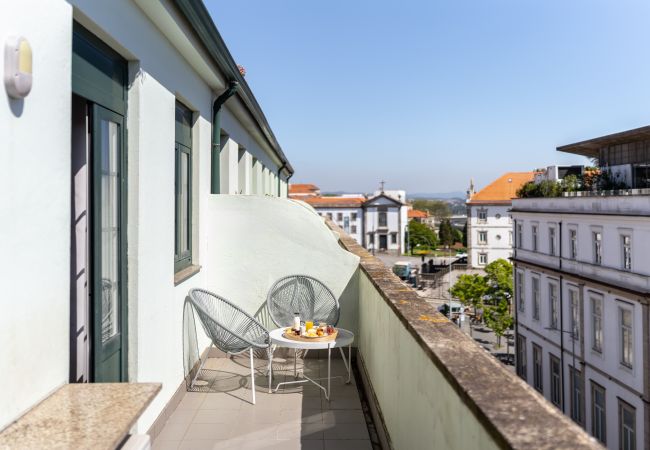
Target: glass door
pixel 108 246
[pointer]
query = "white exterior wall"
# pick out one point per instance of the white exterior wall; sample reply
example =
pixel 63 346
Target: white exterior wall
pixel 605 367
pixel 244 172
pixel 35 207
pixel 229 167
pixel 403 212
pixel 35 325
pixel 372 226
pixel 346 212
pixel 498 226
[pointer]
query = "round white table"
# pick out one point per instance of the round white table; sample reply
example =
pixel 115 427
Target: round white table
pixel 344 338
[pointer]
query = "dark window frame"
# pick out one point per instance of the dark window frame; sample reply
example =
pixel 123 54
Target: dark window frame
pixel 622 405
pixel 522 363
pixel 183 145
pixel 382 216
pixel 538 368
pixel 482 216
pixel 536 295
pixel 602 437
pixel 556 381
pixel 576 404
pixel 573 243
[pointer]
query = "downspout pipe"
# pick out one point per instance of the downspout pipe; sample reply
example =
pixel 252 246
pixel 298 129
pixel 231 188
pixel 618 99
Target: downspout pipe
pixel 284 164
pixel 216 134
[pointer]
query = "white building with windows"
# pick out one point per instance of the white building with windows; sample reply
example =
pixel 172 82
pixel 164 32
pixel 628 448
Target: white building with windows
pixel 582 285
pixel 346 211
pixel 386 222
pixel 489 225
pixel 378 223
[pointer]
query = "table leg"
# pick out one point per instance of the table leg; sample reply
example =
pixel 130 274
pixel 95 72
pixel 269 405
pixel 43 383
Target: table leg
pixel 329 371
pixel 349 363
pixel 295 359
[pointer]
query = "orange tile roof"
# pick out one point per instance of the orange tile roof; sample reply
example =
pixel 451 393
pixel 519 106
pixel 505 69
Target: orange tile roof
pixel 503 189
pixel 417 214
pixel 334 202
pixel 303 189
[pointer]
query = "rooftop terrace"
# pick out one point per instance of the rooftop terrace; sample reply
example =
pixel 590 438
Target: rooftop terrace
pixel 426 383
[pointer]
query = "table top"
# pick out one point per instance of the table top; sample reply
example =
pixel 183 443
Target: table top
pixel 343 339
pixel 88 415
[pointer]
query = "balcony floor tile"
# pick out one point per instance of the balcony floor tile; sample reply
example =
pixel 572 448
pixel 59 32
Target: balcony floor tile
pixel 222 415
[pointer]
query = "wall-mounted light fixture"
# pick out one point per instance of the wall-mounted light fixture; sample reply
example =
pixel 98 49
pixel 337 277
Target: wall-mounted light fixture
pixel 18 67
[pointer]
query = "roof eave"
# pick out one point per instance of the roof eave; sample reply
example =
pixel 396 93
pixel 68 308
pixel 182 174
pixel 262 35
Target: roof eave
pixel 201 22
pixel 591 147
pixel 490 202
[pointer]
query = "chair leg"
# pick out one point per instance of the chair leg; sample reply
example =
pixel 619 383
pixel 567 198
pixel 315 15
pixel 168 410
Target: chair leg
pixel 198 372
pixel 252 374
pixel 270 367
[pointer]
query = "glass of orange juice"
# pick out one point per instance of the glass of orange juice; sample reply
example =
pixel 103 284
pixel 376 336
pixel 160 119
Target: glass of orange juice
pixel 309 324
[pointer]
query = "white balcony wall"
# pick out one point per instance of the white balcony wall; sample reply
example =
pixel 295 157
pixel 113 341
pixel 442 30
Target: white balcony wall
pixel 35 211
pixel 420 408
pixel 255 240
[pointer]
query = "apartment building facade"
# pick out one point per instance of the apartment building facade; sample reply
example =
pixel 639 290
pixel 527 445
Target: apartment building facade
pixel 489 224
pixel 378 223
pixel 346 211
pixel 582 285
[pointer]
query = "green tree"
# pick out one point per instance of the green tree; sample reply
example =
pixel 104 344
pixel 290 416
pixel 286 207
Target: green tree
pixel 421 235
pixel 458 235
pixel 546 188
pixel 465 235
pixel 470 289
pixel 498 317
pixel 437 208
pixel 499 279
pixel 446 233
pixel 492 292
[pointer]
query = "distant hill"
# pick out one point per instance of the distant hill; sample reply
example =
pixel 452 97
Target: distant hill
pixel 438 195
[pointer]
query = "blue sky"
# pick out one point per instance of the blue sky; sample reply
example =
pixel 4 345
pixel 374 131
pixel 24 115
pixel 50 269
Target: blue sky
pixel 428 94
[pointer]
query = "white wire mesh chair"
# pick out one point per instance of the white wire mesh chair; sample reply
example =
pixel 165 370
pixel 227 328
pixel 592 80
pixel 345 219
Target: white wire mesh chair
pixel 305 295
pixel 231 329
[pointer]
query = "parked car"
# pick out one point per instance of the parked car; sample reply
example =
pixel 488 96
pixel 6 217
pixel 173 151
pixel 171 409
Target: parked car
pixel 402 269
pixel 455 308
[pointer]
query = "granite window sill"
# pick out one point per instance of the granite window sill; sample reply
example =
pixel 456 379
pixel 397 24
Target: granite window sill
pixel 186 273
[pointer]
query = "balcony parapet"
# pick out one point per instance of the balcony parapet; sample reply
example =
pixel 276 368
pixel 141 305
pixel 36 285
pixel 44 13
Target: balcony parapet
pixel 614 205
pixel 433 385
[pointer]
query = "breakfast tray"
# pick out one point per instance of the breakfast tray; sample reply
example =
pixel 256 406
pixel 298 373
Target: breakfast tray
pixel 329 337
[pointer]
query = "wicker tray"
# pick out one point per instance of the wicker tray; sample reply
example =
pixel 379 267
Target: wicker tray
pixel 329 337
